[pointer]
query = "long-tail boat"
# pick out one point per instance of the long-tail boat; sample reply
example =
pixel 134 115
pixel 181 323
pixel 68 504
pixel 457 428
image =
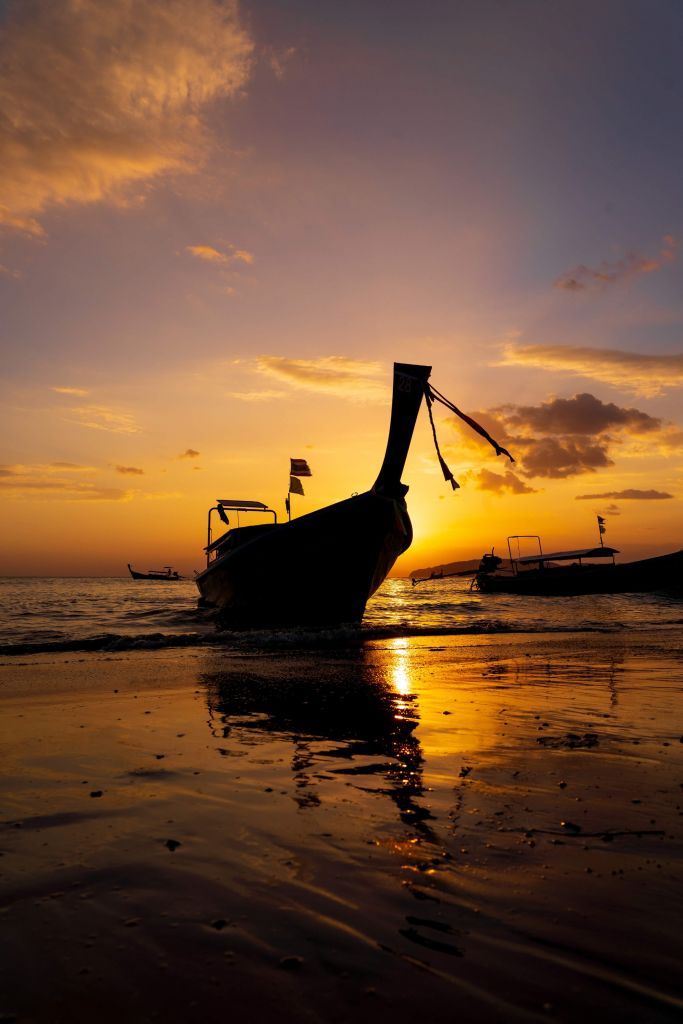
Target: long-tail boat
pixel 162 575
pixel 318 569
pixel 585 571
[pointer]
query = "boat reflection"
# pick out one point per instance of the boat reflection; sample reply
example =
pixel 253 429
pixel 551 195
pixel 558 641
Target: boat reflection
pixel 360 702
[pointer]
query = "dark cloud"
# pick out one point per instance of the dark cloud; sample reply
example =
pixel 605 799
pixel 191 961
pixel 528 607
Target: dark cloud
pixel 630 494
pixel 189 453
pixel 129 470
pixel 584 278
pixel 487 480
pixel 582 414
pixel 559 457
pixel 565 437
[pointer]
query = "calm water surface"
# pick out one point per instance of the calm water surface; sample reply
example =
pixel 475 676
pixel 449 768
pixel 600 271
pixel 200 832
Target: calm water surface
pixel 113 613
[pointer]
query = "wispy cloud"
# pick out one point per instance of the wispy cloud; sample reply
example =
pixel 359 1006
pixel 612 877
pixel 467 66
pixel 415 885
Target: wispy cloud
pixel 630 494
pixel 98 98
pixel 129 470
pixel 189 453
pixel 337 375
pixel 99 417
pixel 55 482
pixel 79 392
pixel 584 278
pixel 231 256
pixel 257 396
pixel 640 373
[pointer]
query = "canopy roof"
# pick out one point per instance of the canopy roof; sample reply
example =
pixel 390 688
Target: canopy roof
pixel 234 503
pixel 565 556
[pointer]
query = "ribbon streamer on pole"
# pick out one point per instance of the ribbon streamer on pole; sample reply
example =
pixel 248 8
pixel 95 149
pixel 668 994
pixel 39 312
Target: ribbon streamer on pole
pixel 431 396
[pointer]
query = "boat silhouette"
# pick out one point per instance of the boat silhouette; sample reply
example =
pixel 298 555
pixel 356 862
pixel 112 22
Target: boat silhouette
pixel 319 569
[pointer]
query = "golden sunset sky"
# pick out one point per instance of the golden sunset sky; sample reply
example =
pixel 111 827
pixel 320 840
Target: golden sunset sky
pixel 220 225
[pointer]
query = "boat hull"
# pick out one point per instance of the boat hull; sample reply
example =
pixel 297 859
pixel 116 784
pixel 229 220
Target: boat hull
pixel 664 572
pixel 317 570
pixel 156 576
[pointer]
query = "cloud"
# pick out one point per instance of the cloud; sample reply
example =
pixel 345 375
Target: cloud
pixel 74 467
pixel 211 255
pixel 558 458
pixel 565 437
pixel 582 414
pixel 98 98
pixel 337 375
pixel 487 480
pixel 54 482
pixel 257 396
pixel 189 453
pixel 129 470
pixel 630 494
pixel 584 278
pixel 98 417
pixel 646 375
pixel 79 392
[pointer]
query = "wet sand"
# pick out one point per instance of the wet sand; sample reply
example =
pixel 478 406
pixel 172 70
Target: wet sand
pixel 472 829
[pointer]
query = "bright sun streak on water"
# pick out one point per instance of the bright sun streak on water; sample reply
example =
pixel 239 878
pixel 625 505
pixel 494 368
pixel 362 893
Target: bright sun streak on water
pixel 399 668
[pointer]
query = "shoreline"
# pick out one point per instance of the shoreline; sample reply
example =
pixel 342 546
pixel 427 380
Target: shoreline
pixel 485 826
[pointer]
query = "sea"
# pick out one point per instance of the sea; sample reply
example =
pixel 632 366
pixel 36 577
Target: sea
pixel 110 614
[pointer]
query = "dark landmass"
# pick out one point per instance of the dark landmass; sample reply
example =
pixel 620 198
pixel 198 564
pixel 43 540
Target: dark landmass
pixel 449 569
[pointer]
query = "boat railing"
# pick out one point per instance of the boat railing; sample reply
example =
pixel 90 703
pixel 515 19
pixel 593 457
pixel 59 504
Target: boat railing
pixel 514 560
pixel 545 560
pixel 233 505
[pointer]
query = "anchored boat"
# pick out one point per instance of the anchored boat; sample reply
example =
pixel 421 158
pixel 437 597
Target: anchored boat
pixel 566 573
pixel 163 575
pixel 321 568
pixel 318 569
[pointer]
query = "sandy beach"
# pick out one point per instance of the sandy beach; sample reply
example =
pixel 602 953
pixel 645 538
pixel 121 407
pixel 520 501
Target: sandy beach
pixel 454 828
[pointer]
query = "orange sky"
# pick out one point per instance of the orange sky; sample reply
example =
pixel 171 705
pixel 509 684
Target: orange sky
pixel 221 224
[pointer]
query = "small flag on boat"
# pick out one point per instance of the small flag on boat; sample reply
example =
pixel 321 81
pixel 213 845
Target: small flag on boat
pixel 299 467
pixel 295 486
pixel 601 525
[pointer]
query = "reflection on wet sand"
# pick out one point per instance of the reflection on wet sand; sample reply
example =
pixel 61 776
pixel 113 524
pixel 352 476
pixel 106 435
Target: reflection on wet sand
pixel 361 703
pixel 484 829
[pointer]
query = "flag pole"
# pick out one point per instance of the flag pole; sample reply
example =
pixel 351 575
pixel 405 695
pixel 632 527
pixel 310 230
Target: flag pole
pixel 601 530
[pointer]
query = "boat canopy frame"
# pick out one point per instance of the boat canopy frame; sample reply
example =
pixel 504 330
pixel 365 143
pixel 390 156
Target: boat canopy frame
pixel 234 505
pixel 541 559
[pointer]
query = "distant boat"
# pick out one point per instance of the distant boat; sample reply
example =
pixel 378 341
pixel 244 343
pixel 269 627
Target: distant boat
pixel 164 575
pixel 321 568
pixel 567 573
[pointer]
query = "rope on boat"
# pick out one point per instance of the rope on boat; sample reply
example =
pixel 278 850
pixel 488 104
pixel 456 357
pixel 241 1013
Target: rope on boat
pixel 431 396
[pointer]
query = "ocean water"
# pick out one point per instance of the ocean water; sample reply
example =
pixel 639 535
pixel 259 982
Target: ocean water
pixel 121 613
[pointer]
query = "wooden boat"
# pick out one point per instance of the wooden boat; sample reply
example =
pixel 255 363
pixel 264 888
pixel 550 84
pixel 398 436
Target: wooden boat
pixel 321 568
pixel 567 573
pixel 163 575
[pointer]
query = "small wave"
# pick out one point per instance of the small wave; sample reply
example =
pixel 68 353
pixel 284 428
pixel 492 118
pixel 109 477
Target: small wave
pixel 299 638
